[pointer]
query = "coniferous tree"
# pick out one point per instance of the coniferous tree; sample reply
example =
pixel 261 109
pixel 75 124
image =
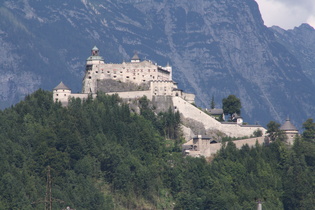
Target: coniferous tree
pixel 212 104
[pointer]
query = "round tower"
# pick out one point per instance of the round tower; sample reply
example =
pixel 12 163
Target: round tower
pixel 61 93
pixel 289 130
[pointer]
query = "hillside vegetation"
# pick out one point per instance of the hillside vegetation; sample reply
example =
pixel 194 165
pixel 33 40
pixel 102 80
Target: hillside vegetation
pixel 102 156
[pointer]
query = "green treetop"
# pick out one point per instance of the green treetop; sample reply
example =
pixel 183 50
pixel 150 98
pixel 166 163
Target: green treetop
pixel 231 105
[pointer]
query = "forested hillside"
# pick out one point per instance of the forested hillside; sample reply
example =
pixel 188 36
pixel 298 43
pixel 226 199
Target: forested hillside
pixel 103 156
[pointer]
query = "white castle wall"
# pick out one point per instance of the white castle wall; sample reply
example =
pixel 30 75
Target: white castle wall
pixel 64 96
pixel 61 96
pixel 136 72
pixel 189 97
pixel 233 130
pixel 161 88
pixel 204 148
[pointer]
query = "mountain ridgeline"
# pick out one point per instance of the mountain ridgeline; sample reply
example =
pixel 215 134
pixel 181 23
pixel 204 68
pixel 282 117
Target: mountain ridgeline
pixel 216 48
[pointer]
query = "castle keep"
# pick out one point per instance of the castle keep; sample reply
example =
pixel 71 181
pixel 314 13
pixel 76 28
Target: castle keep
pixel 144 78
pixel 135 71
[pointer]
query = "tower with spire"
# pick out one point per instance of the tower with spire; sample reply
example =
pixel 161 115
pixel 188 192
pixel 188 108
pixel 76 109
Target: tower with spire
pixel 61 94
pixel 289 130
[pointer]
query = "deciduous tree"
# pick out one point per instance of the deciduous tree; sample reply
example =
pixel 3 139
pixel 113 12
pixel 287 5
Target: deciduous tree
pixel 231 105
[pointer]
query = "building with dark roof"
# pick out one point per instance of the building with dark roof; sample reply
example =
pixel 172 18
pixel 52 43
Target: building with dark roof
pixel 290 130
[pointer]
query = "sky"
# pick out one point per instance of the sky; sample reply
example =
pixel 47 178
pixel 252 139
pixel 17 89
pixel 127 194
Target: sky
pixel 287 13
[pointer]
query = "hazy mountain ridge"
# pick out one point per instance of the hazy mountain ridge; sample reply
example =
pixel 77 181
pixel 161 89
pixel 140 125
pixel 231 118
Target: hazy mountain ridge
pixel 216 48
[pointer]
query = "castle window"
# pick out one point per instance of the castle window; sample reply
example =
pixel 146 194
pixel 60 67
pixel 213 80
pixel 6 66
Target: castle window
pixel 121 72
pixel 134 78
pixel 107 71
pixel 143 80
pixel 88 67
pixel 114 76
pixel 96 72
pixel 90 77
pixel 127 77
pixel 57 94
pixel 65 94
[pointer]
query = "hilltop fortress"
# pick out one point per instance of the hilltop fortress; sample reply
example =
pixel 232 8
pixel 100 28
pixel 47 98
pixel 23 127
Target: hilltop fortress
pixel 135 79
pixel 128 79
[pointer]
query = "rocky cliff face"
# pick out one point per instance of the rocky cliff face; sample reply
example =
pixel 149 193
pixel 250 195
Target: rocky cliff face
pixel 216 48
pixel 301 43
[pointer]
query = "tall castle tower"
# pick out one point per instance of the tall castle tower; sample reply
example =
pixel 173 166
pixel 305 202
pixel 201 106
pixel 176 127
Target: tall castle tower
pixel 89 83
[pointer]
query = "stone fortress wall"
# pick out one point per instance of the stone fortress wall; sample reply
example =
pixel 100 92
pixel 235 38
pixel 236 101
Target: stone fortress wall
pixel 159 88
pixel 230 129
pixel 204 147
pixel 135 71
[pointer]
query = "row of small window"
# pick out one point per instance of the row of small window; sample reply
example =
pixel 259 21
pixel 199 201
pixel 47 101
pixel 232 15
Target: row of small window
pixel 141 70
pixel 161 88
pixel 58 94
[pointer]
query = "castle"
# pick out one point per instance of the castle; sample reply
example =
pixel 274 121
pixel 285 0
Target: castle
pixel 153 79
pixel 135 79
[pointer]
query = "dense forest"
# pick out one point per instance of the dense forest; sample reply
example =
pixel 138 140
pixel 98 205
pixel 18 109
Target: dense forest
pixel 100 155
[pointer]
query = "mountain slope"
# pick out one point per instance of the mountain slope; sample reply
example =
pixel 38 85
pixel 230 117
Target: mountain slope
pixel 215 47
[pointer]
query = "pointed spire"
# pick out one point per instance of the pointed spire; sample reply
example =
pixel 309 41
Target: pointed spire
pixel 288 126
pixel 95 48
pixel 135 58
pixel 95 55
pixel 95 51
pixel 61 86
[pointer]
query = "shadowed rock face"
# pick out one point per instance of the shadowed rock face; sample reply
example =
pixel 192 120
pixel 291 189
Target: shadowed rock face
pixel 110 85
pixel 216 48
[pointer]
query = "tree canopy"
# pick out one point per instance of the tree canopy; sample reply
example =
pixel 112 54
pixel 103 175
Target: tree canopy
pixel 231 105
pixel 274 132
pixel 103 156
